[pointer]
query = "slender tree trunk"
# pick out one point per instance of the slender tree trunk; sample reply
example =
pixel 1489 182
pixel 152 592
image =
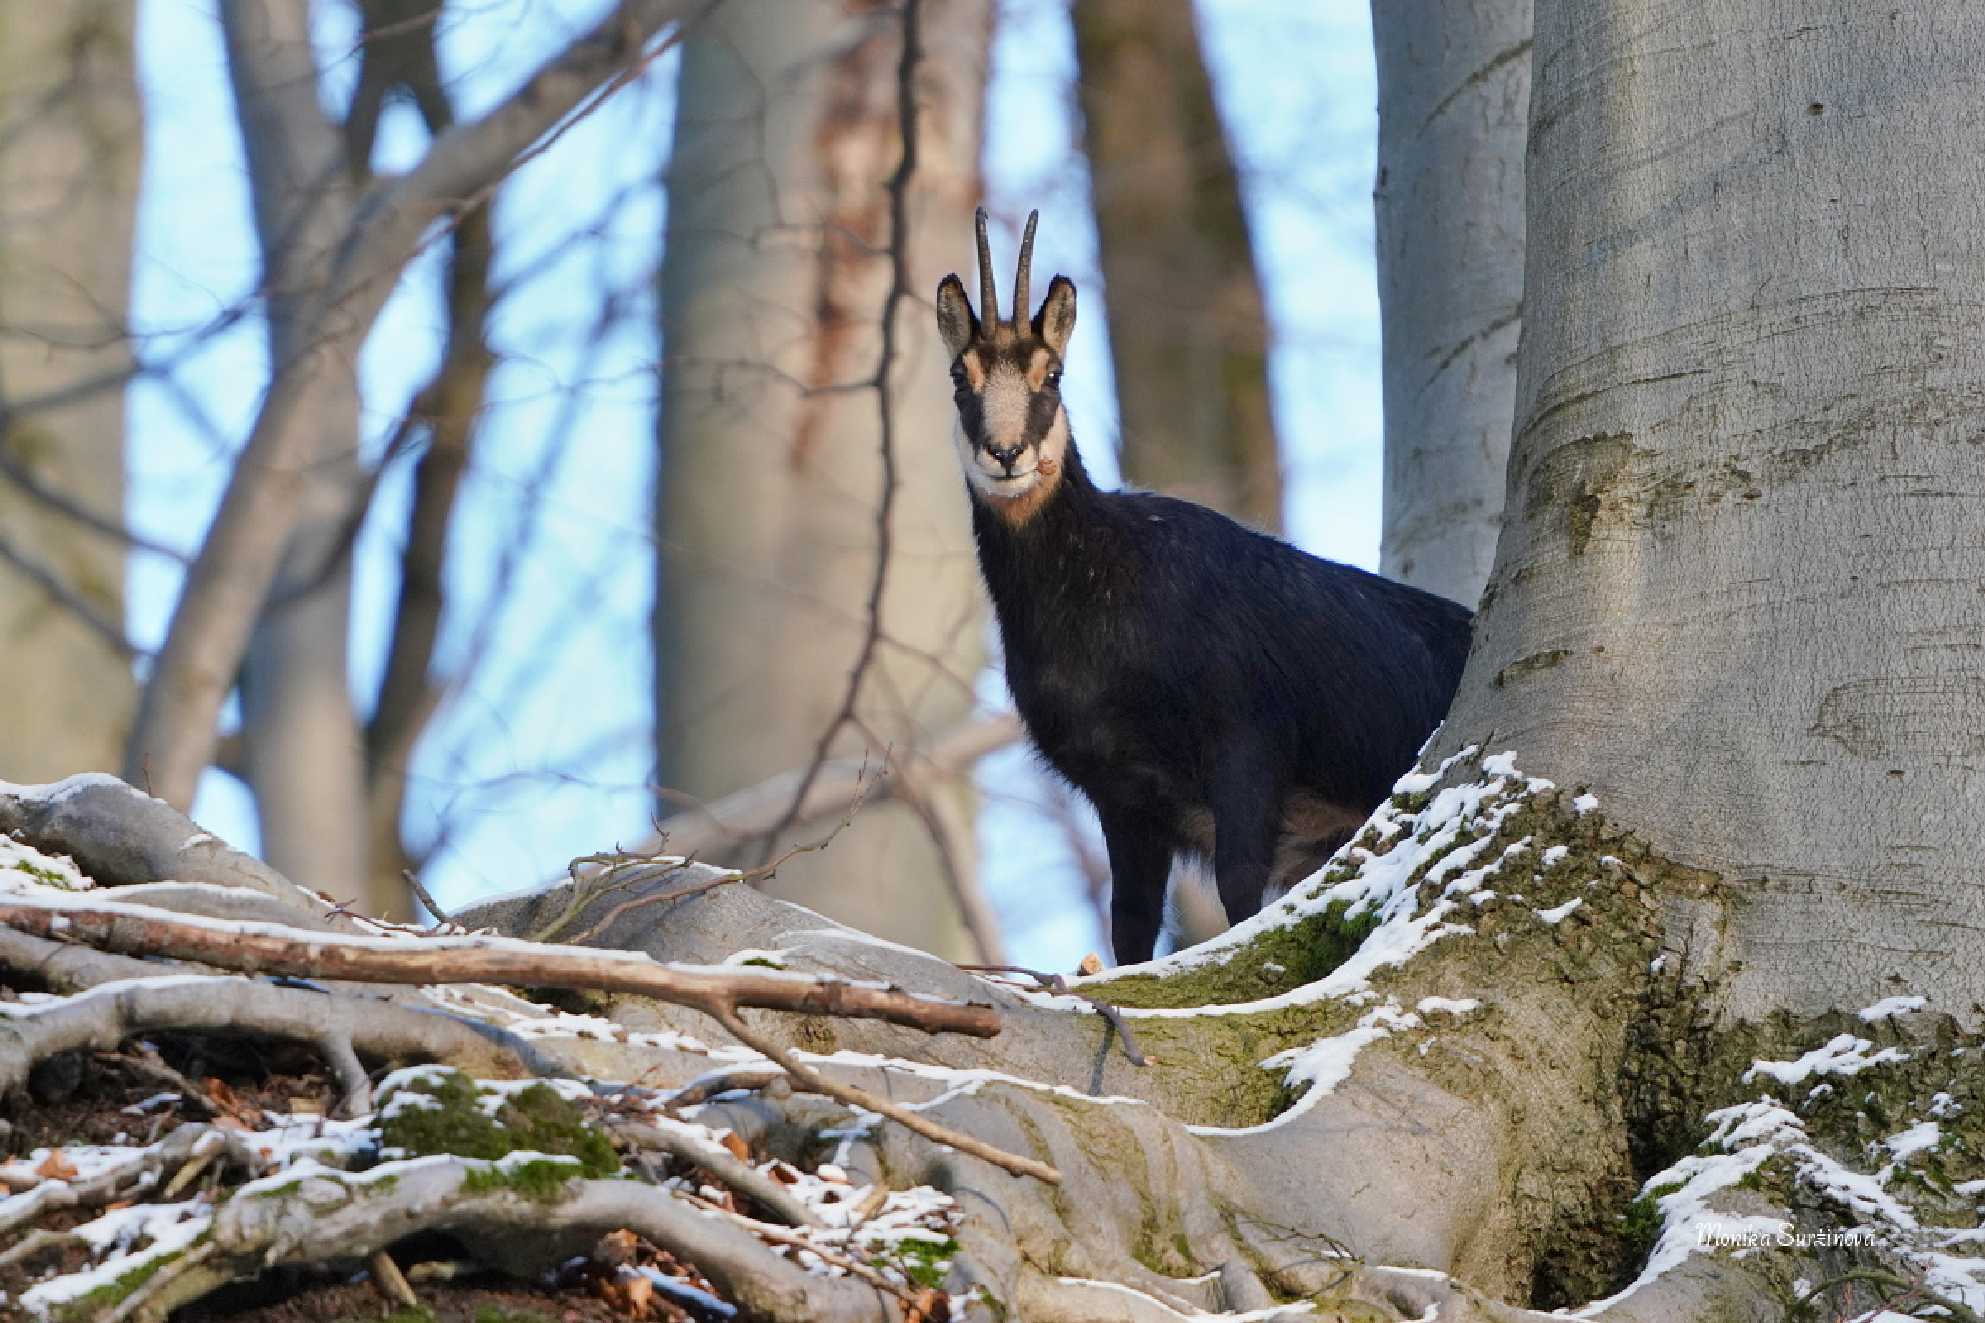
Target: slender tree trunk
pixel 304 754
pixel 71 136
pixel 772 295
pixel 1188 333
pixel 1739 588
pixel 1454 99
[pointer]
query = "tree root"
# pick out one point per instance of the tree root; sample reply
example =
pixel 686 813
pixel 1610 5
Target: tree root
pixel 329 1216
pixel 816 1082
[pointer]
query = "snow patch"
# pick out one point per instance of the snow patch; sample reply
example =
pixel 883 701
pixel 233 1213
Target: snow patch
pixel 1890 1007
pixel 1559 913
pixel 1843 1055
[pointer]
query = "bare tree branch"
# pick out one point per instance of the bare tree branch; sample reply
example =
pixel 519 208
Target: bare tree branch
pixel 23 477
pixel 277 949
pixel 378 1029
pixel 838 784
pixel 231 577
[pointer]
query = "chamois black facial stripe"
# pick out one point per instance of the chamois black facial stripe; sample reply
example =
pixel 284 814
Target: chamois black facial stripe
pixel 1041 409
pixel 971 414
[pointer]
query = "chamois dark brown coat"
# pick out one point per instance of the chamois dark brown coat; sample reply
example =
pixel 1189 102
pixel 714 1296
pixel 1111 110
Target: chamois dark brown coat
pixel 1212 690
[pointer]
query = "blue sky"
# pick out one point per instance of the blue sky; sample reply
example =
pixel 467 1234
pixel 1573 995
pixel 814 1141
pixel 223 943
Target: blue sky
pixel 559 491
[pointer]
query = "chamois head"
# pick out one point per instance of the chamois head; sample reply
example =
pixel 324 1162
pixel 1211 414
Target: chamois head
pixel 1012 432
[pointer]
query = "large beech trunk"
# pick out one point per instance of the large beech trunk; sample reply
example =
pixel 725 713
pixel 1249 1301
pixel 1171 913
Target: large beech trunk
pixel 1738 591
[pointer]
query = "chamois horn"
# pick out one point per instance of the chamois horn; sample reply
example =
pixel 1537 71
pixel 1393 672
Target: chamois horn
pixel 1025 271
pixel 988 295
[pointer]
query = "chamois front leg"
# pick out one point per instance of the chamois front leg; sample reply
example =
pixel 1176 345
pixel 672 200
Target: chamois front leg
pixel 1247 814
pixel 1140 865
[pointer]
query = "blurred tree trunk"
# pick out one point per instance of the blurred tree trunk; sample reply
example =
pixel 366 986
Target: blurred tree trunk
pixel 1453 101
pixel 300 731
pixel 71 137
pixel 772 293
pixel 1188 334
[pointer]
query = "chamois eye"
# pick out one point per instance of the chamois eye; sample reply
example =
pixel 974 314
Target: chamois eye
pixel 1054 379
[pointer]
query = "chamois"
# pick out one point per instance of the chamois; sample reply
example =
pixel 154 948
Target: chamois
pixel 1213 691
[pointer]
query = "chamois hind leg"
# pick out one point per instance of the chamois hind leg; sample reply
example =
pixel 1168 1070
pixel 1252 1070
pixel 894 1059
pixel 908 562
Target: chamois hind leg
pixel 1247 818
pixel 1140 865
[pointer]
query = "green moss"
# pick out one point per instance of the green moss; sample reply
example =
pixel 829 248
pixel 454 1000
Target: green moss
pixel 47 876
pixel 1272 963
pixel 535 1120
pixel 1640 1227
pixel 99 1302
pixel 924 1262
pixel 541 1180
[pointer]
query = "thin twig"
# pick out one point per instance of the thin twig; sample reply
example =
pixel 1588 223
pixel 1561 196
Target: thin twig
pixel 781 1236
pixel 426 897
pixel 721 1164
pixel 69 600
pixel 750 876
pixel 807 1077
pixel 1058 984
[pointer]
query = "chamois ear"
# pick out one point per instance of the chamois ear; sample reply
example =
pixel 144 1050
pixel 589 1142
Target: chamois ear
pixel 956 325
pixel 1055 322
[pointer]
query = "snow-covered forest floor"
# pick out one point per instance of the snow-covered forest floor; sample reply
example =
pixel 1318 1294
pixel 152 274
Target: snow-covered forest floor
pixel 232 1099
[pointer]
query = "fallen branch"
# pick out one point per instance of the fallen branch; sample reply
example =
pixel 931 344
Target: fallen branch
pixel 148 1166
pixel 846 1263
pixel 260 948
pixel 378 1029
pixel 806 1077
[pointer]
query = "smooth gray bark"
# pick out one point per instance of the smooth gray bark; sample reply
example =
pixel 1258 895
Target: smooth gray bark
pixel 1738 592
pixel 772 295
pixel 1454 98
pixel 71 136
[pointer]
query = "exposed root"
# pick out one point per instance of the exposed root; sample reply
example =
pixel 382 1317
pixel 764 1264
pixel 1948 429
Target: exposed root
pixel 816 1082
pixel 332 1216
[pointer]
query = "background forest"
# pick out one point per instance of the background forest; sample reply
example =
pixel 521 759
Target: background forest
pixel 529 608
pixel 436 441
